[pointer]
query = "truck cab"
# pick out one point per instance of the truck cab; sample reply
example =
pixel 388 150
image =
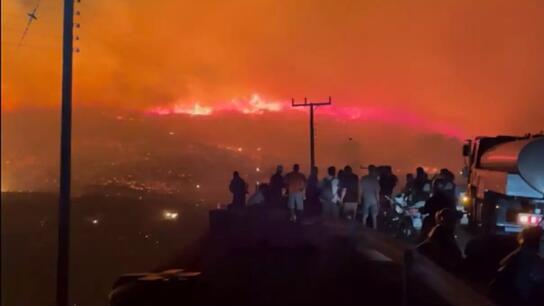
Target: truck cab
pixel 505 180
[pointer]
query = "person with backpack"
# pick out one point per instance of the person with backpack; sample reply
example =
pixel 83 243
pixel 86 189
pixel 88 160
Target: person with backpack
pixel 388 181
pixel 328 195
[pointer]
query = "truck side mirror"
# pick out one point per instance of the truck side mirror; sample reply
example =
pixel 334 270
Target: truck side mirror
pixel 466 149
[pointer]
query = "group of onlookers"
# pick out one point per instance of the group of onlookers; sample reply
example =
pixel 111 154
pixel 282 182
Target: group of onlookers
pixel 343 193
pixel 520 280
pixel 337 194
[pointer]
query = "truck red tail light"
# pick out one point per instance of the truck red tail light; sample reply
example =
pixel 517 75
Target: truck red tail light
pixel 529 219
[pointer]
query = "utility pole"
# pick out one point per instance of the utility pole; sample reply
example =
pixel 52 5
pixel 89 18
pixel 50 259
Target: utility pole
pixel 311 105
pixel 65 157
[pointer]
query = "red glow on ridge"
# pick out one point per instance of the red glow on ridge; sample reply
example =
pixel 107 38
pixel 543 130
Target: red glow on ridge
pixel 255 105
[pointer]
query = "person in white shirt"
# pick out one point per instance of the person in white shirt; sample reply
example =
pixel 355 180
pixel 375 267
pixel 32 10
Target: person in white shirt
pixel 370 189
pixel 258 197
pixel 328 195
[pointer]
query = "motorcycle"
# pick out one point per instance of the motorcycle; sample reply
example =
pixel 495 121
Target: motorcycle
pixel 404 219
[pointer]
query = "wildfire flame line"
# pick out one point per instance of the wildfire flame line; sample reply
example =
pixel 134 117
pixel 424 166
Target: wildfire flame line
pixel 255 105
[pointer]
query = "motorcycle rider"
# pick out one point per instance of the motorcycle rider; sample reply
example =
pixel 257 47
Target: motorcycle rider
pixel 444 182
pixel 388 181
pixel 422 188
pixel 440 246
pixel 434 204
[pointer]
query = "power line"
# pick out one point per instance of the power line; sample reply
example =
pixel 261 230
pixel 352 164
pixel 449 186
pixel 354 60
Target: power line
pixel 31 17
pixel 16 44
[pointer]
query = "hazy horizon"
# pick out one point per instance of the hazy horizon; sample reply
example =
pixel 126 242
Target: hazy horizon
pixel 409 81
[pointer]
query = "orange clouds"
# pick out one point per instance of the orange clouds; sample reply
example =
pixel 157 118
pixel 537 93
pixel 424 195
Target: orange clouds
pixel 475 65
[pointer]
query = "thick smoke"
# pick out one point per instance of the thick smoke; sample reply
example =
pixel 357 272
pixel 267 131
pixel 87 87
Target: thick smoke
pixel 472 65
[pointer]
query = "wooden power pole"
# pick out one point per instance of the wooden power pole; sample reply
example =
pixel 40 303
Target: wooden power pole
pixel 311 105
pixel 65 156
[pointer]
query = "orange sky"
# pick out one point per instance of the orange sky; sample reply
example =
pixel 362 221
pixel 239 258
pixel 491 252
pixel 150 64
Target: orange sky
pixel 445 60
pixel 472 66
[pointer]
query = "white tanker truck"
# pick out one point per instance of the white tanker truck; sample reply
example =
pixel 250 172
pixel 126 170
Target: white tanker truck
pixel 505 189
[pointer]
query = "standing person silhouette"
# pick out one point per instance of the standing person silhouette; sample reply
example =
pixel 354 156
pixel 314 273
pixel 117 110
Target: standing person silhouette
pixel 422 188
pixel 445 183
pixel 238 188
pixel 349 186
pixel 295 183
pixel 409 185
pixel 370 189
pixel 276 187
pixel 388 181
pixel 312 193
pixel 328 195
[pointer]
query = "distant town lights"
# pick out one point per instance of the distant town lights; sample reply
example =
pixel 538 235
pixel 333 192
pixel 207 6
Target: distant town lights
pixel 169 215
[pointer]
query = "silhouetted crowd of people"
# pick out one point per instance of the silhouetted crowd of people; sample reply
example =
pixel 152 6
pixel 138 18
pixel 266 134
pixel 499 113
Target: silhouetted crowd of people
pixel 338 194
pixel 342 194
